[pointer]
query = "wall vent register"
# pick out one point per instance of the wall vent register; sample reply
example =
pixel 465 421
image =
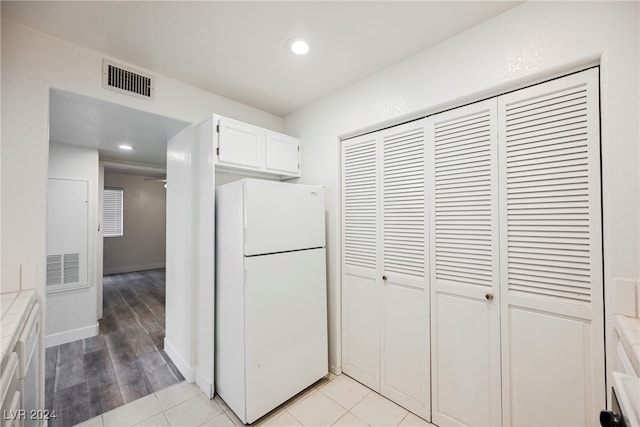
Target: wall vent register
pixel 63 269
pixel 126 80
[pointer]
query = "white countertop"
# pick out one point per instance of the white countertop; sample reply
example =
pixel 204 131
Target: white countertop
pixel 14 307
pixel 628 329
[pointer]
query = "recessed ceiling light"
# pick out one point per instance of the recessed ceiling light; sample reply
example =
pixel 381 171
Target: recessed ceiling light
pixel 298 46
pixel 125 147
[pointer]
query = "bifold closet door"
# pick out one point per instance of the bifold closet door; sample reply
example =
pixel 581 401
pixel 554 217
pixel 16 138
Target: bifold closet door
pixel 551 253
pixel 404 356
pixel 360 261
pixel 385 297
pixel 465 300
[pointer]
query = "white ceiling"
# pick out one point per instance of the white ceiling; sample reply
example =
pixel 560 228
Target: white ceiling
pixel 236 49
pixel 79 120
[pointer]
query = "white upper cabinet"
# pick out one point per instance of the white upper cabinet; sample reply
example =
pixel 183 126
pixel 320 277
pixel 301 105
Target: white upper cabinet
pixel 244 147
pixel 282 154
pixel 241 145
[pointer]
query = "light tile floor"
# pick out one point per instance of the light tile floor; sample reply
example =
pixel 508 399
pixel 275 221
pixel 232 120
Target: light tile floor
pixel 333 401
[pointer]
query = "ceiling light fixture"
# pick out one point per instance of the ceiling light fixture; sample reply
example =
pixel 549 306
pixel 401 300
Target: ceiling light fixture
pixel 298 46
pixel 125 147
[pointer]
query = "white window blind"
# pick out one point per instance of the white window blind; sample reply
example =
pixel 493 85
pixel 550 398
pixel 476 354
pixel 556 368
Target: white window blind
pixel 113 212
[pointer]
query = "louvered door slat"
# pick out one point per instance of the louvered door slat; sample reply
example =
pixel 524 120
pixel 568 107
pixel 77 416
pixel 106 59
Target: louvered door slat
pixel 531 167
pixel 360 204
pixel 403 202
pixel 461 164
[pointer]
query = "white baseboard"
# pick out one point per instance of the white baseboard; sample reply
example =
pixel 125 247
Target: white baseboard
pixel 187 371
pixel 206 385
pixel 132 268
pixel 71 335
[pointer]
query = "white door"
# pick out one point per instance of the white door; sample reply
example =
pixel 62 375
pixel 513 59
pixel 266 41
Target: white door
pixel 385 296
pixel 360 261
pixel 282 217
pixel 286 327
pixel 551 253
pixel 240 144
pixel 465 310
pixel 67 234
pixel 404 353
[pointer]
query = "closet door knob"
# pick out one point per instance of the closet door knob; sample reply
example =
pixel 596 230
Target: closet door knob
pixel 384 277
pixel 489 297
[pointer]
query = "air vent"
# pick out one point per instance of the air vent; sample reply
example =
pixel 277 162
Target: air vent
pixel 63 269
pixel 71 268
pixel 54 270
pixel 125 80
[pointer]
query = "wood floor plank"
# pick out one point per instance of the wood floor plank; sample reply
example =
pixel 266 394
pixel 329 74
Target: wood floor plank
pixel 109 322
pixel 104 398
pixel 128 372
pixel 49 391
pixel 98 369
pixel 158 372
pixel 119 347
pixel 94 344
pixel 141 343
pixel 172 366
pixel 69 366
pixel 71 406
pixel 51 357
pixel 136 389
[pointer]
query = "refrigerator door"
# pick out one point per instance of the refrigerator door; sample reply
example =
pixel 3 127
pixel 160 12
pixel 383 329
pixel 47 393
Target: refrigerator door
pixel 282 217
pixel 286 327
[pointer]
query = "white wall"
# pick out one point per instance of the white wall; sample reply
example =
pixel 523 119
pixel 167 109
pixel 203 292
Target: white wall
pixel 527 44
pixel 142 245
pixel 31 64
pixel 72 314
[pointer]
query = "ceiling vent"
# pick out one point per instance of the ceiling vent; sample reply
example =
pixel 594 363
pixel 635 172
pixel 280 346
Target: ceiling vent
pixel 126 80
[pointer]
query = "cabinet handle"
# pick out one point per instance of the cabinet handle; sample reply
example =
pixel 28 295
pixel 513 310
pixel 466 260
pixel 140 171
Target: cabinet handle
pixel 384 277
pixel 489 297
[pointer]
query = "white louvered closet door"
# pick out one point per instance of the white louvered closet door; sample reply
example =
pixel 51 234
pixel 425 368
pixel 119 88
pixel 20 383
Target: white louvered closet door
pixel 360 260
pixel 405 294
pixel 551 253
pixel 465 310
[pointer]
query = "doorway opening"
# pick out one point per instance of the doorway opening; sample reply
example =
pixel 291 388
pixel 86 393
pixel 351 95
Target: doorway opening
pixel 105 334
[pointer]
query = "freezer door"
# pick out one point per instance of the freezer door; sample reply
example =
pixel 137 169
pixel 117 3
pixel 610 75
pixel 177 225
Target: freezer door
pixel 286 327
pixel 282 217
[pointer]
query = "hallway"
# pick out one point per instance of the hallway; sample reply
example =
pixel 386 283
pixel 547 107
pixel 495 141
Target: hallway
pixel 124 362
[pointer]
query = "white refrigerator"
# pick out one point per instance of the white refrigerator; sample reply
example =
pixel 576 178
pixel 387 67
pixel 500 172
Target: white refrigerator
pixel 271 302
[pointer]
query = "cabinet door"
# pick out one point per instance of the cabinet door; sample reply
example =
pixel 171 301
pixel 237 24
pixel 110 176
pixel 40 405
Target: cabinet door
pixel 551 253
pixel 241 144
pixel 405 295
pixel 465 320
pixel 360 261
pixel 282 154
